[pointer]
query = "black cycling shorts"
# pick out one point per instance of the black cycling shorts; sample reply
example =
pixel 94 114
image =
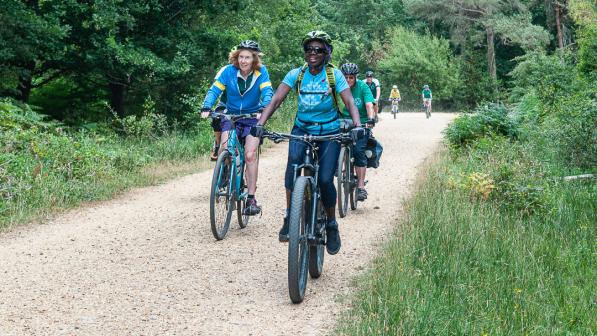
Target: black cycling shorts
pixel 216 124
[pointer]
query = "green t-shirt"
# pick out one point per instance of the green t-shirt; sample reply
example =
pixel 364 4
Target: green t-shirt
pixel 361 95
pixel 426 93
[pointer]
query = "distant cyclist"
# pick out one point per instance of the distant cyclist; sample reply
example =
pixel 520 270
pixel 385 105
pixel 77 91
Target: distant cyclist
pixel 427 96
pixel 245 81
pixel 395 93
pixel 317 114
pixel 363 99
pixel 375 88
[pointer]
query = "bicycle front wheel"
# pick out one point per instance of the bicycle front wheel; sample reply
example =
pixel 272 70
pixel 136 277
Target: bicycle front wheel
pixel 298 246
pixel 221 196
pixel 343 181
pixel 317 251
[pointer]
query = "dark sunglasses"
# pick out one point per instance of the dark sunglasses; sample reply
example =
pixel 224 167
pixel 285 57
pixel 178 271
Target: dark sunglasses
pixel 317 50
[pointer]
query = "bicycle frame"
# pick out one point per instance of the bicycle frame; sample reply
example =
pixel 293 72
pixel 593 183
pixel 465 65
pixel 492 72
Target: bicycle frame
pixel 237 155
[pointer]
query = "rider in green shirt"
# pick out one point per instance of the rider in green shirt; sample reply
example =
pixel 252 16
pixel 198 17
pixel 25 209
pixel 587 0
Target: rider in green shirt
pixel 427 96
pixel 363 99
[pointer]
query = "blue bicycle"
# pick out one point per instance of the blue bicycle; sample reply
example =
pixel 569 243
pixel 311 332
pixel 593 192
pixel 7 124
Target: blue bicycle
pixel 228 189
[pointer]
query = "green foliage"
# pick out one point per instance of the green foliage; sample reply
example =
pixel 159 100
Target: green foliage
pixel 488 119
pixel 44 165
pixel 551 78
pixel 31 44
pixel 573 128
pixel 412 60
pixel 587 52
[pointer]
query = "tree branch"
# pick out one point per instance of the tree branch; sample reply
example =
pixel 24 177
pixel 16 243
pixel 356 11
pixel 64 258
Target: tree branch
pixel 49 79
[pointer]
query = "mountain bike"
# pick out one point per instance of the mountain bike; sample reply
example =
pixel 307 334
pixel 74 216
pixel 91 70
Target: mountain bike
pixel 307 219
pixel 346 178
pixel 394 107
pixel 228 189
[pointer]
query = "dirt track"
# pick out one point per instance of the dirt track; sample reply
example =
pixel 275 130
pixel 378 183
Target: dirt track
pixel 146 263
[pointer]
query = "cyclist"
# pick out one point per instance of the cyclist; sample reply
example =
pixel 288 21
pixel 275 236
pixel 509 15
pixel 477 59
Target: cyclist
pixel 427 96
pixel 394 96
pixel 248 89
pixel 375 88
pixel 317 114
pixel 395 93
pixel 363 99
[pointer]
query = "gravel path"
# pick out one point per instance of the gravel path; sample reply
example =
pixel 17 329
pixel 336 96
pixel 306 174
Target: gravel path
pixel 146 262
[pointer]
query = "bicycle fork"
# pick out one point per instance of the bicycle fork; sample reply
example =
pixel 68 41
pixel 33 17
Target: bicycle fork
pixel 312 236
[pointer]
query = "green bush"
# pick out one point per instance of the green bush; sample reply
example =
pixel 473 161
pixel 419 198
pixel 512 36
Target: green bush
pixel 574 128
pixel 487 119
pixel 44 164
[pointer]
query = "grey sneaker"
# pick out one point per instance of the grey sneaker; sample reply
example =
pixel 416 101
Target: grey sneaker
pixel 333 242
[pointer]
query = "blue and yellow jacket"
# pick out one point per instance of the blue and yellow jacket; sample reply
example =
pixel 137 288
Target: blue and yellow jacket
pixel 256 97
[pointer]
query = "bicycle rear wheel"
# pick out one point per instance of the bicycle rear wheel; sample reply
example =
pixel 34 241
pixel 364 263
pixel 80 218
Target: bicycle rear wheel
pixel 317 252
pixel 241 204
pixel 353 188
pixel 221 196
pixel 343 181
pixel 298 247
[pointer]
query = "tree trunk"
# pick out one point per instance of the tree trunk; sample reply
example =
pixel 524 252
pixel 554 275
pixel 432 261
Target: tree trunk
pixel 117 97
pixel 24 89
pixel 559 25
pixel 25 82
pixel 491 52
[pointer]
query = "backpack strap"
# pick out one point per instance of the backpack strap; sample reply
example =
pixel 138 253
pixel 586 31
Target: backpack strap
pixel 329 72
pixel 299 80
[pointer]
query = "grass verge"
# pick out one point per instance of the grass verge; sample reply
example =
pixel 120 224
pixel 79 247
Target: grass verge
pixel 464 265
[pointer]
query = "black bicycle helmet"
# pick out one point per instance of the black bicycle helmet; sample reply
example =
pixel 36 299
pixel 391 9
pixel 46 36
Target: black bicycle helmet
pixel 349 69
pixel 249 44
pixel 369 73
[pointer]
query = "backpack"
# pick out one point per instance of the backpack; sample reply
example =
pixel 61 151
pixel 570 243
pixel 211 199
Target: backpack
pixel 329 72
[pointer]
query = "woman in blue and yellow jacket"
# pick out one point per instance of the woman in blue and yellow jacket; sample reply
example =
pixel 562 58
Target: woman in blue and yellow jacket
pixel 246 84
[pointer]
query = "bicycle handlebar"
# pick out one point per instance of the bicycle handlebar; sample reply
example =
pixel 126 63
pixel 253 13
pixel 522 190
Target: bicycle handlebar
pixel 307 138
pixel 232 117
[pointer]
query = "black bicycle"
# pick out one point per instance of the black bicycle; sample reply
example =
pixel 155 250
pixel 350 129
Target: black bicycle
pixel 307 218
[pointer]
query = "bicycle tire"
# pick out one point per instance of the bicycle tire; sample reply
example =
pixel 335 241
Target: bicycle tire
pixel 298 249
pixel 241 204
pixel 317 252
pixel 343 181
pixel 354 202
pixel 221 196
